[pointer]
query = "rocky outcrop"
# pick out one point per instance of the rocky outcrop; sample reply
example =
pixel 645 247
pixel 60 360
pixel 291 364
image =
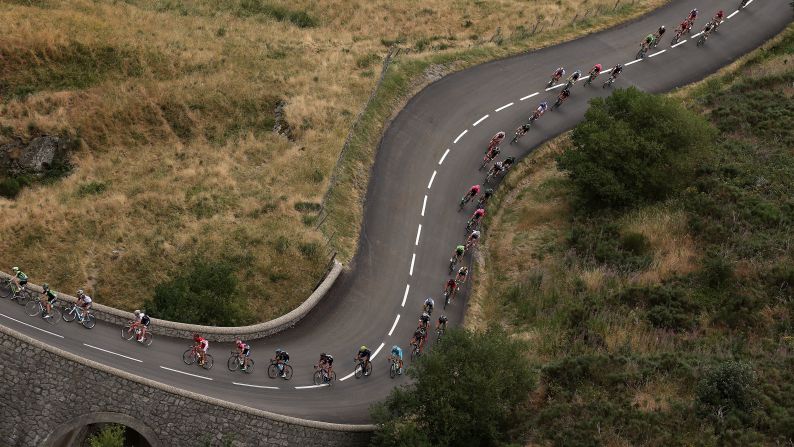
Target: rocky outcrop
pixel 34 157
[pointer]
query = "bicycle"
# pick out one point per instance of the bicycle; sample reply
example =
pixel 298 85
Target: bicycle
pixel 72 312
pixel 678 34
pixel 743 3
pixel 520 131
pixel 471 225
pixel 394 367
pixel 237 361
pixel 272 370
pixel 448 295
pixel 416 349
pixel 452 261
pixel 191 356
pixel 703 37
pixel 643 51
pixel 609 82
pixel 439 333
pixel 560 99
pixel 36 307
pixel 591 78
pixel 487 159
pixel 362 369
pixel 19 294
pixel 128 333
pixel 321 377
pixel 464 200
pixel 554 78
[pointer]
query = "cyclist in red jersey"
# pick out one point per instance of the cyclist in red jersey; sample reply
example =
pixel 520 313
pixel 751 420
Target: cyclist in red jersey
pixel 496 140
pixel 478 214
pixel 202 345
pixel 473 191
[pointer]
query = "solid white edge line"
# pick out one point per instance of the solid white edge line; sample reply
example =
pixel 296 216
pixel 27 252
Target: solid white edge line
pixel 656 53
pixel 187 374
pixel 697 34
pixel 432 177
pixel 424 204
pixel 460 136
pixel 733 14
pixel 407 287
pixel 504 107
pixel 632 62
pixel 529 96
pixel 377 351
pixel 480 120
pixel 347 376
pixel 114 353
pixel 418 232
pixel 679 43
pixel 312 386
pixel 394 325
pixel 443 157
pixel 256 386
pixel 413 259
pixel 30 325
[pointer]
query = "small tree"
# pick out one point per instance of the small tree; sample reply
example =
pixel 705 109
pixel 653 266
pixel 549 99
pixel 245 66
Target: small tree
pixel 470 390
pixel 111 435
pixel 205 295
pixel 728 387
pixel 634 147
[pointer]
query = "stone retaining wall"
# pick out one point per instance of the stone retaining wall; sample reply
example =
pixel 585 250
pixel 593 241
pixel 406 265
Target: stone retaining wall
pixel 213 333
pixel 43 388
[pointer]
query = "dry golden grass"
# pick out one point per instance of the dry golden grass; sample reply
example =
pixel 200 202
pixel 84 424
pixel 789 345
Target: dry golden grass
pixel 178 128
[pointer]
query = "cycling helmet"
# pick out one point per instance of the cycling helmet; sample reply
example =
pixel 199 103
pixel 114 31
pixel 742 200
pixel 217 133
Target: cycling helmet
pixel 15 269
pixel 279 350
pixel 599 67
pixel 425 315
pixel 619 66
pixel 45 286
pixel 196 337
pixel 138 312
pixel 661 28
pixel 720 13
pixel 395 348
pixel 80 292
pixel 544 103
pixel 489 191
pixel 362 348
pixel 500 134
pixel 443 318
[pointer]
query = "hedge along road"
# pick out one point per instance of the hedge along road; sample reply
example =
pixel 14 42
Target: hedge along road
pixel 427 160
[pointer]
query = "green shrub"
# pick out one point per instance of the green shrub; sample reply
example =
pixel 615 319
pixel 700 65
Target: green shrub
pixel 310 249
pixel 470 390
pixel 366 60
pixel 91 189
pixel 301 19
pixel 207 294
pixel 111 435
pixel 667 306
pixel 307 207
pixel 634 148
pixel 717 271
pixel 9 187
pixel 727 387
pixel 599 240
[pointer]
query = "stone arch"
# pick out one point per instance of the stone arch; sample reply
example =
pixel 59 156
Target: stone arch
pixel 102 417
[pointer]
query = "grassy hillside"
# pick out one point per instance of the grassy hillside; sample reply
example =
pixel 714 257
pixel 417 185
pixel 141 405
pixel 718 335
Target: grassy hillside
pixel 660 322
pixel 172 105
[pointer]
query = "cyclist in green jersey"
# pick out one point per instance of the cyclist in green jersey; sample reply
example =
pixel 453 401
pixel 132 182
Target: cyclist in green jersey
pixel 649 39
pixel 19 278
pixel 48 298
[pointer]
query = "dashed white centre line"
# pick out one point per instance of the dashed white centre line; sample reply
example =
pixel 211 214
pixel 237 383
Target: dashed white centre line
pixel 679 43
pixel 460 136
pixel 347 377
pixel 187 374
pixel 504 107
pixel 413 259
pixel 305 387
pixel 480 120
pixel 394 325
pixel 114 353
pixel 424 204
pixel 405 295
pixel 554 86
pixel 432 177
pixel 748 3
pixel 29 325
pixel 256 386
pixel 733 13
pixel 657 53
pixel 697 34
pixel 418 232
pixel 376 351
pixel 529 96
pixel 633 62
pixel 443 157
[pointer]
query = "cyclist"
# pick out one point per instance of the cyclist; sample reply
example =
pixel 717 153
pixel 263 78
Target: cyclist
pixel 201 347
pixel 84 302
pixel 460 250
pixel 428 306
pixel 540 111
pixel 141 322
pixel 48 298
pixel 281 359
pixel 496 169
pixel 473 191
pixel 20 279
pixel 326 364
pixel 684 27
pixel 461 277
pixel 483 200
pixel 363 354
pixel 659 33
pixel 557 75
pixel 424 320
pixel 496 140
pixel 475 218
pixel 509 161
pixel 708 29
pixel 595 71
pixel 243 352
pixel 472 239
pixel 693 15
pixel 572 79
pixel 450 286
pixel 418 339
pixel 397 354
pixel 718 18
pixel 442 323
pixel 648 42
pixel 564 94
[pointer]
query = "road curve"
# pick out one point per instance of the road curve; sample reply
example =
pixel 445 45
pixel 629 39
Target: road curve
pixel 427 159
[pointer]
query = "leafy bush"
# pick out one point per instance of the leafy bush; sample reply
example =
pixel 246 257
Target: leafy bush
pixel 667 306
pixel 207 294
pixel 470 390
pixel 366 60
pixel 9 187
pixel 301 19
pixel 726 388
pixel 599 240
pixel 111 435
pixel 634 148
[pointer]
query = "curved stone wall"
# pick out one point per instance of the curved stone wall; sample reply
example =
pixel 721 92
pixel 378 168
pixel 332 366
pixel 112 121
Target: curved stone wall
pixel 214 333
pixel 44 390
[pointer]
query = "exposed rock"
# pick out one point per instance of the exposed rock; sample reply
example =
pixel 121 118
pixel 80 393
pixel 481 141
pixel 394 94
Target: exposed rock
pixel 281 125
pixel 35 157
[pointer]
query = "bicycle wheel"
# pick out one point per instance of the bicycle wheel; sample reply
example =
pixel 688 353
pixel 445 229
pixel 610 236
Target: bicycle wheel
pixel 393 370
pixel 89 322
pixel 250 367
pixel 189 357
pixel 54 316
pixel 446 299
pixel 233 363
pixel 272 371
pixel 23 297
pixel 701 41
pixel 68 314
pixel 368 369
pixel 208 361
pixel 5 291
pixel 127 333
pixel 287 372
pixel 33 308
pixel 359 370
pixel 318 377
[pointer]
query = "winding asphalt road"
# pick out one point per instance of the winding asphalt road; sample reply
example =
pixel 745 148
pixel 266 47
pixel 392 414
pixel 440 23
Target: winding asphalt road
pixel 427 159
